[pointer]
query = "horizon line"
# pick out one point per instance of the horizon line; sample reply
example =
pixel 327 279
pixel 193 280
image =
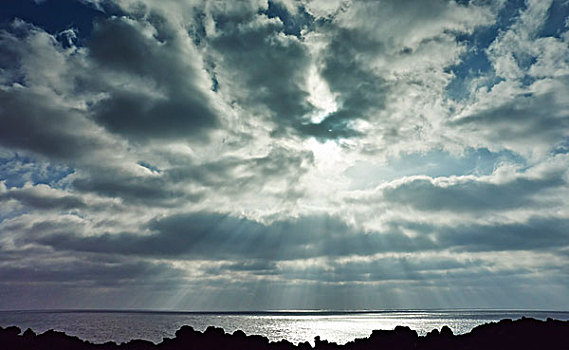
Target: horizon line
pixel 278 311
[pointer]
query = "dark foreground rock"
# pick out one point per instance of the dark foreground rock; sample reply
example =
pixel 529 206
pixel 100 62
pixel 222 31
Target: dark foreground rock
pixel 526 333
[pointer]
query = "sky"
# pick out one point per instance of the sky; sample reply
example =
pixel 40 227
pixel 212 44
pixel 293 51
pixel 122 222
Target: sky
pixel 284 155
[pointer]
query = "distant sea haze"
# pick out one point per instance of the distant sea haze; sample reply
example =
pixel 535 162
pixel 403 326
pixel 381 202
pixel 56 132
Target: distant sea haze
pixel 120 326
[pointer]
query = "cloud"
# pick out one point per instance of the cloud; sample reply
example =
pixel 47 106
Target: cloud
pixel 17 170
pixel 42 197
pixel 364 68
pixel 209 236
pixel 534 234
pixel 521 104
pixel 36 114
pixel 512 49
pixel 275 85
pixel 184 179
pixel 174 99
pixel 284 154
pixel 402 270
pixel 471 194
pixel 84 272
pixel 524 119
pixel 32 122
pixel 131 188
pixel 70 279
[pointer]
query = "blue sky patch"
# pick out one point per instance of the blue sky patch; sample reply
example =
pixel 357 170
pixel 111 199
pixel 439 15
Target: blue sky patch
pixel 475 62
pixel 293 24
pixel 54 16
pixel 434 164
pixel 18 170
pixel 556 20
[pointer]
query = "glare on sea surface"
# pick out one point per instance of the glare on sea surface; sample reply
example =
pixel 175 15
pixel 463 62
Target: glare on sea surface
pixel 343 328
pixel 296 327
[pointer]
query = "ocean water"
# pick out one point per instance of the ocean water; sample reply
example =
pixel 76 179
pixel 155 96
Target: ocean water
pixel 340 327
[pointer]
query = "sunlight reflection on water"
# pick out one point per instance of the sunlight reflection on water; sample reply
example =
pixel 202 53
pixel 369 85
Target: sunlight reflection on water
pixel 296 327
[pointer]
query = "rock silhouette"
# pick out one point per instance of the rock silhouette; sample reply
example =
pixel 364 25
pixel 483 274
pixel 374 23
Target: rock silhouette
pixel 525 333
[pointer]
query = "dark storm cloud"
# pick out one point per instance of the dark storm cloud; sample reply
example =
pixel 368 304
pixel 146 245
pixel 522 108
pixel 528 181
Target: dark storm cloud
pixel 30 121
pixel 545 234
pixel 43 200
pixel 262 68
pixel 539 117
pixel 80 281
pixel 86 272
pixel 138 84
pixel 149 190
pixel 215 236
pixel 359 89
pixel 472 195
pixel 539 234
pixel 37 113
pixel 182 106
pixel 279 163
pixel 225 176
pixel 304 237
pixel 294 23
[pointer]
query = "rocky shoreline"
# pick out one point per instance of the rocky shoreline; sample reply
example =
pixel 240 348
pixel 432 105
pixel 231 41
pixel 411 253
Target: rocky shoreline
pixel 525 333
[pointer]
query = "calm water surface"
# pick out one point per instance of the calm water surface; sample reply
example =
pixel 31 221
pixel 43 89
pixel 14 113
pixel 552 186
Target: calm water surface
pixel 121 326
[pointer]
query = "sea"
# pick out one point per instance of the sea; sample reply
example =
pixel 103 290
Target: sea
pixel 99 326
